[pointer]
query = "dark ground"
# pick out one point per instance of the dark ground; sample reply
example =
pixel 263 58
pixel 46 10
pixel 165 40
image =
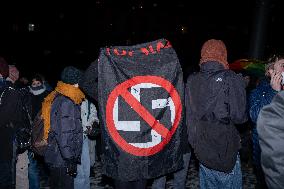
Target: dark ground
pixel 98 181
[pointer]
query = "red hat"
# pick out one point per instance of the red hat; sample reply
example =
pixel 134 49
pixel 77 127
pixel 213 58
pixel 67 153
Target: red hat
pixel 4 68
pixel 214 50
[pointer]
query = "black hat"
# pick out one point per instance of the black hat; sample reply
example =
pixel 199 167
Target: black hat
pixel 71 75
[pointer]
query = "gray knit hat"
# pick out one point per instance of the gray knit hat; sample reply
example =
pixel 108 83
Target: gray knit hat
pixel 71 75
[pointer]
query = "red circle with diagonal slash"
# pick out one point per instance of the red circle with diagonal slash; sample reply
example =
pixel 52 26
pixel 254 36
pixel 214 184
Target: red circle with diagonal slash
pixel 122 90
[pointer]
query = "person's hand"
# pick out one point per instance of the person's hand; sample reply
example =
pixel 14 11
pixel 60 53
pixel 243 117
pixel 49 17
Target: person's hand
pixel 71 168
pixel 88 131
pixel 93 131
pixel 276 79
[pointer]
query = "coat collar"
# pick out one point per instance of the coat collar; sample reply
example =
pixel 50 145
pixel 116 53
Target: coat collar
pixel 211 67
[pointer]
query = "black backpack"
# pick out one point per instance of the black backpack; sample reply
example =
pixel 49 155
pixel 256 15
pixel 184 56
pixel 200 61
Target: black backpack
pixel 213 137
pixel 38 144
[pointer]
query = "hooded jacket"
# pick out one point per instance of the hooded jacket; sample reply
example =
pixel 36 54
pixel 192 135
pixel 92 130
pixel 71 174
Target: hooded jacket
pixel 65 133
pixel 215 101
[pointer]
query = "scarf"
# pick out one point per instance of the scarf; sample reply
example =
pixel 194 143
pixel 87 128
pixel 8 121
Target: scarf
pixel 37 90
pixel 74 93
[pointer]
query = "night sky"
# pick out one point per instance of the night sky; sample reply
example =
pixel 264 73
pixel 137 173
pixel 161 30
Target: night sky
pixel 45 37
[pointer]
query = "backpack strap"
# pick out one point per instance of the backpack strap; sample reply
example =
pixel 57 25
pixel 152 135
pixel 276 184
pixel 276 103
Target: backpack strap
pixel 227 92
pixel 226 99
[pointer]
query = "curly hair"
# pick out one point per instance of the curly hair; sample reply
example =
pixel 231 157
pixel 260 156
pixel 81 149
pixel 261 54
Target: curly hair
pixel 271 61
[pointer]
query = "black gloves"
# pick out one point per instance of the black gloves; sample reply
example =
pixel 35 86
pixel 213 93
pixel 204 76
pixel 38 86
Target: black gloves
pixel 71 168
pixel 93 131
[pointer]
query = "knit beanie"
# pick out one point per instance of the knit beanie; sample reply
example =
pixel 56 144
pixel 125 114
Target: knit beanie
pixel 71 75
pixel 13 73
pixel 4 68
pixel 214 50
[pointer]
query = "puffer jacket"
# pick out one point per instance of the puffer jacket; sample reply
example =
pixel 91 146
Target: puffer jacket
pixel 66 133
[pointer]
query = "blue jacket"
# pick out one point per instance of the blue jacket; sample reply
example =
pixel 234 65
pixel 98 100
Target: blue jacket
pixel 66 133
pixel 259 97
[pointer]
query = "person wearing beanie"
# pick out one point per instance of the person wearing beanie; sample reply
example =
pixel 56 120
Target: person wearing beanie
pixel 13 119
pixel 63 129
pixel 71 75
pixel 214 50
pixel 215 102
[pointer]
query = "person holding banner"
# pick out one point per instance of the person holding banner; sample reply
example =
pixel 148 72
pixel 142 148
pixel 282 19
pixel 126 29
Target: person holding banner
pixel 140 94
pixel 179 177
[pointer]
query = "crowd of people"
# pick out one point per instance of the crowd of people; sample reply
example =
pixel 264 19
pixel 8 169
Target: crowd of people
pixel 217 102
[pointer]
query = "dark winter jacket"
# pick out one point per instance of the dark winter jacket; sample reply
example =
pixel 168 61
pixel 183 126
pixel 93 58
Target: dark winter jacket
pixel 270 128
pixel 259 97
pixel 215 101
pixel 12 118
pixel 65 135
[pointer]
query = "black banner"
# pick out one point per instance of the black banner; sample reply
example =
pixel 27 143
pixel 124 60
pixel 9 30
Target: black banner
pixel 140 92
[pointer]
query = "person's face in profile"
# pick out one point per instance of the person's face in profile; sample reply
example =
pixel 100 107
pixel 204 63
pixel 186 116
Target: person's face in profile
pixel 279 66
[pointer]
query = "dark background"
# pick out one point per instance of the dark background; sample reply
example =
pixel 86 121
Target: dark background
pixel 45 37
